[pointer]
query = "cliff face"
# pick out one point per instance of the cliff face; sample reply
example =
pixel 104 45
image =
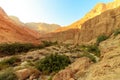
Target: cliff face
pixel 108 68
pixel 69 36
pixel 97 10
pixel 101 24
pixel 10 31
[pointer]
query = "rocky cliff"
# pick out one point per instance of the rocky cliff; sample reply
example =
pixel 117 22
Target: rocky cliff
pixel 97 10
pixel 10 31
pixel 104 23
pixel 68 36
pixel 108 68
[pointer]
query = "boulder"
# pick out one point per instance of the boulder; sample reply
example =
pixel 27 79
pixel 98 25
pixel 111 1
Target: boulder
pixel 27 73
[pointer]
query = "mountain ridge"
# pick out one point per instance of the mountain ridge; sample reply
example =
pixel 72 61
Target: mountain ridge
pixel 42 28
pixel 97 10
pixel 10 31
pixel 89 27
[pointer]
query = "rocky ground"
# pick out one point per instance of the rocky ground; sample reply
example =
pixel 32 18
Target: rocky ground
pixel 24 68
pixel 106 67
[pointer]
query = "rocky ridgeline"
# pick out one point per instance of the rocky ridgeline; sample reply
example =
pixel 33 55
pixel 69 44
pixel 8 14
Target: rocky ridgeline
pixel 10 31
pixel 97 10
pixel 105 23
pixel 102 19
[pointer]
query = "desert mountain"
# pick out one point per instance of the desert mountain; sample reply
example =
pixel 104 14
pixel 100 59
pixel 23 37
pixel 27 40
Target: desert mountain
pixel 97 10
pixel 17 20
pixel 10 31
pixel 102 23
pixel 39 27
pixel 89 61
pixel 43 27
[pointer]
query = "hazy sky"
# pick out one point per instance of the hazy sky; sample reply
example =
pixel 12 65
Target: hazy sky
pixel 62 12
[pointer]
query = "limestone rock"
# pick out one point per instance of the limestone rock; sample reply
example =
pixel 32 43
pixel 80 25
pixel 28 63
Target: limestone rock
pixel 80 65
pixel 23 74
pixel 105 23
pixel 107 69
pixel 64 75
pixel 27 73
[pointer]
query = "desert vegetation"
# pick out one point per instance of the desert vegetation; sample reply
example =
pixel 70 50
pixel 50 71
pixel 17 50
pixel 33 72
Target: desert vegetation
pixel 90 51
pixel 116 32
pixel 101 38
pixel 53 63
pixel 8 74
pixel 14 48
pixel 9 62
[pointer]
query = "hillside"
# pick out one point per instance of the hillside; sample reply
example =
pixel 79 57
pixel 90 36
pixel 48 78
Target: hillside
pixel 104 23
pixel 39 27
pixel 43 27
pixel 10 31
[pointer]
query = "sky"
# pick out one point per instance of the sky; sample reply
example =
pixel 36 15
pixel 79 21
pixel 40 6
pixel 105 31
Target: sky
pixel 62 12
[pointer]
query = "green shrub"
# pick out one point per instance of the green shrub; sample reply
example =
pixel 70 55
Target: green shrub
pixel 101 38
pixel 93 49
pixel 9 62
pixel 49 43
pixel 116 32
pixel 7 75
pixel 53 63
pixel 13 48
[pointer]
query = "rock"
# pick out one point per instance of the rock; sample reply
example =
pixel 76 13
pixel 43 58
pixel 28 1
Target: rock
pixel 27 73
pixel 25 63
pixel 64 75
pixel 23 74
pixel 71 79
pixel 109 66
pixel 35 74
pixel 80 65
pixel 110 44
pixel 107 69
